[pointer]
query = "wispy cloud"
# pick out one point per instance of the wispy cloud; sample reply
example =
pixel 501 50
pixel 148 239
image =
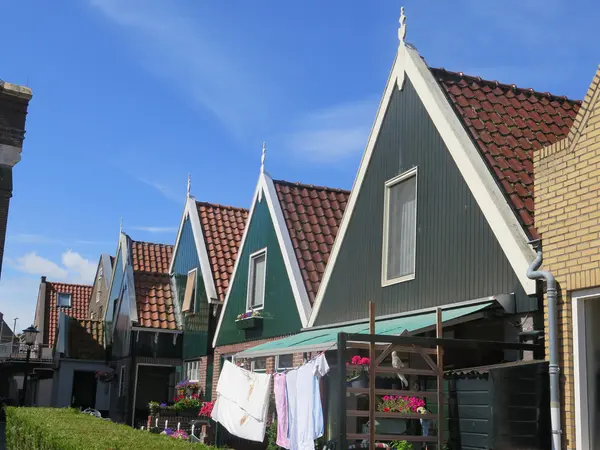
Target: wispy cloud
pixel 332 134
pixel 192 59
pixel 26 238
pixel 164 189
pixel 156 229
pixel 73 267
pixel 19 297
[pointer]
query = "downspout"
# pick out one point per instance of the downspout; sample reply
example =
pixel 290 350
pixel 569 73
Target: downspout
pixel 554 369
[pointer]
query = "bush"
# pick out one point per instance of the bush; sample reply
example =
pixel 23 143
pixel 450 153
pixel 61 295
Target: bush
pixel 68 429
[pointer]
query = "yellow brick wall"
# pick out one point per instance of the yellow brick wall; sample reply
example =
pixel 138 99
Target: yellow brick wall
pixel 567 216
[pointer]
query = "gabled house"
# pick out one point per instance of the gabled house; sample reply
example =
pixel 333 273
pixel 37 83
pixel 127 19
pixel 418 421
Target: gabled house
pixel 567 206
pixel 142 328
pixel 284 250
pixel 203 258
pixel 101 286
pixel 79 355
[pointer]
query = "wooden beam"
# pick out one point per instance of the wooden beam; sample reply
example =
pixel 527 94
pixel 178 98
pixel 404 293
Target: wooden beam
pixel 399 348
pixel 393 392
pixel 384 354
pixel 392 437
pixel 390 415
pixel 430 362
pixel 439 332
pixel 404 371
pixel 341 362
pixel 372 376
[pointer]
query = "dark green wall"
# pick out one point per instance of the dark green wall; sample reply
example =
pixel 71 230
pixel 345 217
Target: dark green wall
pixel 458 256
pixel 195 327
pixel 280 310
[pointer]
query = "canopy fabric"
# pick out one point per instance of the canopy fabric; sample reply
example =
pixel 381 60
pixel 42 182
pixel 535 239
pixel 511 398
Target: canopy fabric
pixel 326 338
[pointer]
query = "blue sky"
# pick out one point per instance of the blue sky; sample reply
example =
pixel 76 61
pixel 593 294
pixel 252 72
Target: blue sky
pixel 132 95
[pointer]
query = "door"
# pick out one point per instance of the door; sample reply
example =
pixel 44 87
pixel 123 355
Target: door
pixel 84 390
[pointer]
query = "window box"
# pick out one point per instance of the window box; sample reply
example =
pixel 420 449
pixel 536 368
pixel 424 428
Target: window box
pixel 251 323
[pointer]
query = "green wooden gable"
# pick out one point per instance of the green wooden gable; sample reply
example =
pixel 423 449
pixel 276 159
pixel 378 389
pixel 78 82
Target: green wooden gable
pixel 195 326
pixel 280 311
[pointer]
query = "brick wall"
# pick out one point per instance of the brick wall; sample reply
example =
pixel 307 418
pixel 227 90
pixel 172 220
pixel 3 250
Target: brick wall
pixel 567 215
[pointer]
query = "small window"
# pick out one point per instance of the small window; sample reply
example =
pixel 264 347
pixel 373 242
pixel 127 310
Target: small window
pixel 284 362
pixel 192 370
pixel 93 316
pixel 63 300
pixel 259 365
pixel 400 228
pixel 189 298
pixel 100 314
pixel 256 280
pixel 122 381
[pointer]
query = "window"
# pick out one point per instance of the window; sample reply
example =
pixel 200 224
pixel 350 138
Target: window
pixel 189 298
pixel 284 362
pixel 93 316
pixel 192 370
pixel 256 280
pixel 259 365
pixel 63 300
pixel 100 314
pixel 122 381
pixel 400 228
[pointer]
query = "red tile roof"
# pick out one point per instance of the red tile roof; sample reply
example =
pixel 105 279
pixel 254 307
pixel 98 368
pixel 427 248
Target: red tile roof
pixel 86 339
pixel 508 124
pixel 80 299
pixel 151 258
pixel 223 228
pixel 154 300
pixel 312 215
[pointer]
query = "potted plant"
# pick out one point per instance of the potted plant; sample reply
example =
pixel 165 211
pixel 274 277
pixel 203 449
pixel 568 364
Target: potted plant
pixel 397 404
pixel 358 378
pixel 105 377
pixel 249 320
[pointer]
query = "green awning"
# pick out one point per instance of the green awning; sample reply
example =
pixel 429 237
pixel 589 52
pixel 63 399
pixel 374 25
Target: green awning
pixel 326 338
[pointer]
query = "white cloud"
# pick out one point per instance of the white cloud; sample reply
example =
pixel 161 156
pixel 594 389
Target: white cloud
pixel 193 58
pixel 165 190
pixel 18 298
pixel 332 134
pixel 74 268
pixel 156 229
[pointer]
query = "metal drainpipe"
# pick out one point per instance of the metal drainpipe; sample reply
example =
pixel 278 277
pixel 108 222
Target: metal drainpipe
pixel 554 369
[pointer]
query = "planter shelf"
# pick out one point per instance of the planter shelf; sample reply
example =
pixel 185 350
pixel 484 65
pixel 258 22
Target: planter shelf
pixel 250 323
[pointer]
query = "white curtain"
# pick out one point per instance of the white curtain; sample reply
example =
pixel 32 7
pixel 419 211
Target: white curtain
pixel 402 215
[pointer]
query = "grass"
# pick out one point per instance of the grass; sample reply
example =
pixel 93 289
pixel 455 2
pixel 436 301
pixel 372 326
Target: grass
pixel 68 429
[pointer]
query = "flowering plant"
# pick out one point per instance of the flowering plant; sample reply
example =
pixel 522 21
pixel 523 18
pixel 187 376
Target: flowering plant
pixel 180 434
pixel 168 431
pixel 105 377
pixel 248 315
pixel 361 361
pixel 206 409
pixel 188 384
pixel 397 403
pixel 186 403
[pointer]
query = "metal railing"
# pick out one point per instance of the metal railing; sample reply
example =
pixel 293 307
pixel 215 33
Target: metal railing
pixel 18 351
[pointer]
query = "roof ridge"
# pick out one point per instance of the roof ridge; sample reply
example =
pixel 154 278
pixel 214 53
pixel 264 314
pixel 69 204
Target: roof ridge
pixel 218 205
pixel 311 186
pixel 150 243
pixel 506 85
pixel 70 284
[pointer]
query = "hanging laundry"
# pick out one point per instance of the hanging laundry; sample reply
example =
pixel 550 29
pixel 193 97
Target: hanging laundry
pixel 242 403
pixel 305 418
pixel 281 405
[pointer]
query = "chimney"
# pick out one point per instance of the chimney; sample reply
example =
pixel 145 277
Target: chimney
pixel 14 101
pixel 43 279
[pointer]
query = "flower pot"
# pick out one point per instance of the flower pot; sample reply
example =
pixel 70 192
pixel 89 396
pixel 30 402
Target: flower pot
pixel 250 323
pixel 360 381
pixel 390 426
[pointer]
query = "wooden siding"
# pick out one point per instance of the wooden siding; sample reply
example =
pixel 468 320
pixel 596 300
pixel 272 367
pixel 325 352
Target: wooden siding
pixel 280 310
pixel 458 256
pixel 195 326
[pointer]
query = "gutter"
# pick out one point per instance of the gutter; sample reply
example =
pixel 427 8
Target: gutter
pixel 554 369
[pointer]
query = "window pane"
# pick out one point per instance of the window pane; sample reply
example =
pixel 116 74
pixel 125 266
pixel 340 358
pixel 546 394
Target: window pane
pixel 285 362
pixel 402 213
pixel 259 365
pixel 258 283
pixel 64 300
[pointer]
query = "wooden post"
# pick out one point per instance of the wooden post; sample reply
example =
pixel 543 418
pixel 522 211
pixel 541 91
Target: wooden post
pixel 372 375
pixel 440 378
pixel 341 366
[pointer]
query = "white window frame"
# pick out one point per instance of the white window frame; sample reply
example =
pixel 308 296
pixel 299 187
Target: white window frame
pixel 283 369
pixel 192 367
pixel 388 184
pixel 121 383
pixel 252 369
pixel 58 304
pixel 250 287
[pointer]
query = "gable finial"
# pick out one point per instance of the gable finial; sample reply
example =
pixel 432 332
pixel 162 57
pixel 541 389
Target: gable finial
pixel 189 184
pixel 121 225
pixel 263 157
pixel 402 28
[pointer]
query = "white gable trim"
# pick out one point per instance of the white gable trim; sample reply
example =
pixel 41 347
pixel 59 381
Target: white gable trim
pixel 266 188
pixel 191 211
pixel 491 200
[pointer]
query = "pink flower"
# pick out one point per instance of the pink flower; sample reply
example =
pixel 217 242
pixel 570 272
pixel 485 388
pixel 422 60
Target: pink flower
pixel 355 360
pixel 364 361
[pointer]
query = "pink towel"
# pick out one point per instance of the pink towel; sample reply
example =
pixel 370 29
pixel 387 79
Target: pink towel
pixel 282 410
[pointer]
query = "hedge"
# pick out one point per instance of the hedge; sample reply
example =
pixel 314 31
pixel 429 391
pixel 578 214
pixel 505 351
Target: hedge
pixel 68 429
